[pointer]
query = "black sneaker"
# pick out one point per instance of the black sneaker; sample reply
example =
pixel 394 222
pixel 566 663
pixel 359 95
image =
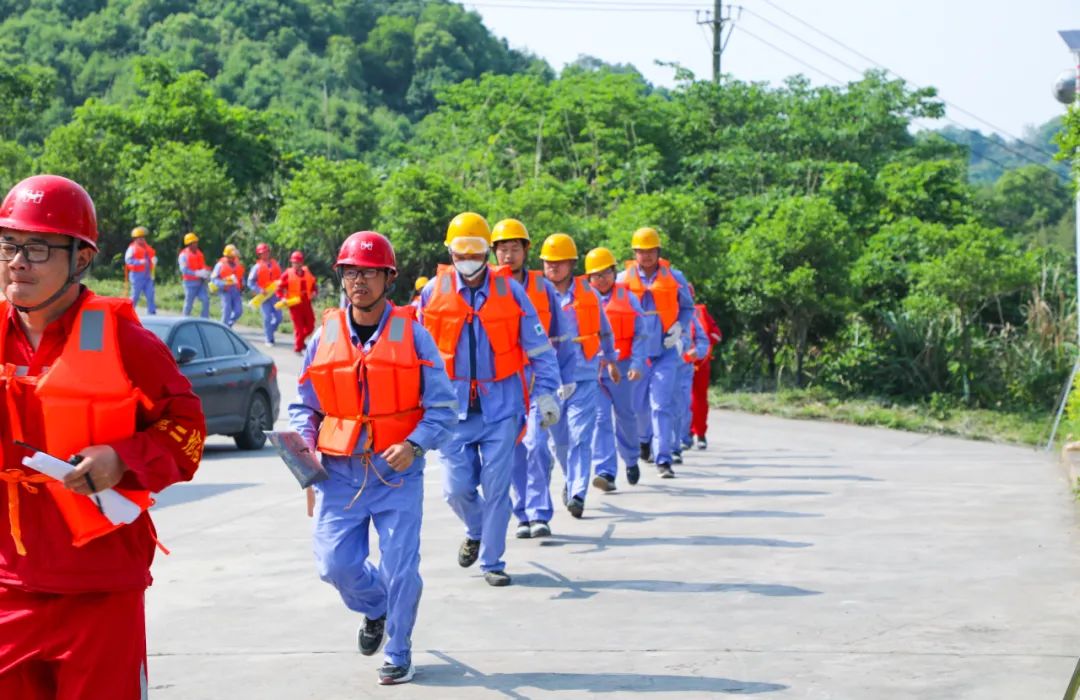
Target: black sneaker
pixel 632 474
pixel 604 482
pixel 646 452
pixel 523 532
pixel 676 457
pixel 469 552
pixel 497 578
pixel 393 675
pixel 701 442
pixel 687 442
pixel 370 635
pixel 665 471
pixel 576 506
pixel 540 528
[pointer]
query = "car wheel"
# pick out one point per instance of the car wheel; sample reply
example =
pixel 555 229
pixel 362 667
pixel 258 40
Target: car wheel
pixel 252 436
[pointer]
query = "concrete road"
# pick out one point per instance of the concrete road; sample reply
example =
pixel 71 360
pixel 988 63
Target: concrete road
pixel 790 560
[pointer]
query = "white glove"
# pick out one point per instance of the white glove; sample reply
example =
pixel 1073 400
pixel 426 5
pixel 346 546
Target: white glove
pixel 204 274
pixel 565 391
pixel 549 410
pixel 153 260
pixel 672 338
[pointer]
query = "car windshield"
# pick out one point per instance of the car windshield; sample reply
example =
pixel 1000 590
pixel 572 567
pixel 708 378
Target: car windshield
pixel 161 330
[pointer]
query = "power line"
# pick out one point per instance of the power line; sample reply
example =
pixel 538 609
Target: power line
pixel 586 6
pixel 942 134
pixel 866 58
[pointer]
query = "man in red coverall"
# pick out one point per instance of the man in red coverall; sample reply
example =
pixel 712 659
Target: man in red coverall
pixel 699 403
pixel 297 290
pixel 79 376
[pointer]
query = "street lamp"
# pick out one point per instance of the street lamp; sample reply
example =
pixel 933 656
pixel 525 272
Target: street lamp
pixel 1070 94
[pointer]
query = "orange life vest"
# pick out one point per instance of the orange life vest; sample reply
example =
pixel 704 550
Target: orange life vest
pixel 297 286
pixel 664 289
pixel 86 399
pixel 446 314
pixel 388 376
pixel 538 295
pixel 227 270
pixel 238 267
pixel 194 261
pixel 267 272
pixel 622 316
pixel 587 309
pixel 143 256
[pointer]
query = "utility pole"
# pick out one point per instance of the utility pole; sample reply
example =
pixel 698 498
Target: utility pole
pixel 716 21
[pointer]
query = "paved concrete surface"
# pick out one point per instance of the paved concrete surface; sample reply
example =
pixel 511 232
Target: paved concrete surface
pixel 790 560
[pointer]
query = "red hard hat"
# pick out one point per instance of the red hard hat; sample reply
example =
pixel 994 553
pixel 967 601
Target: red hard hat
pixel 50 204
pixel 367 249
pixel 262 248
pixel 296 256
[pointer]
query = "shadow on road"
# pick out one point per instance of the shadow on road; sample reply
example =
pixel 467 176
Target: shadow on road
pixel 455 674
pixel 739 478
pixel 627 515
pixel 579 590
pixel 704 493
pixel 186 493
pixel 608 539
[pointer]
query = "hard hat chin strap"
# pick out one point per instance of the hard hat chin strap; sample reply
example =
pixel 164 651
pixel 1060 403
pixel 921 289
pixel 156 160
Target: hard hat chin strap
pixel 72 278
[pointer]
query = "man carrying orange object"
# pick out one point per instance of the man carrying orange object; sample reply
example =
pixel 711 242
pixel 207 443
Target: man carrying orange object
pixel 82 377
pixel 297 290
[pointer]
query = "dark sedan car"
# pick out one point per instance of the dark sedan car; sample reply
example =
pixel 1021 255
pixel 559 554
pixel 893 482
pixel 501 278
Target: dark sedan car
pixel 236 382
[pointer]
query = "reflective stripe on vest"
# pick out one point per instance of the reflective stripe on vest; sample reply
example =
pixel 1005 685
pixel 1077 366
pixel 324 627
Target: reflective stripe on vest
pixel 664 289
pixel 537 291
pixel 387 378
pixel 446 314
pixel 86 398
pixel 622 317
pixel 587 309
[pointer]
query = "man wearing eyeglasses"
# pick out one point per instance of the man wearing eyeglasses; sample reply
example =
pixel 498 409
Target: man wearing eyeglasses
pixel 82 377
pixel 486 330
pixel 373 398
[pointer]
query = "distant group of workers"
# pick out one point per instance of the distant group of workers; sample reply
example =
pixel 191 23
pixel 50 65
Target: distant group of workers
pixel 273 289
pixel 503 370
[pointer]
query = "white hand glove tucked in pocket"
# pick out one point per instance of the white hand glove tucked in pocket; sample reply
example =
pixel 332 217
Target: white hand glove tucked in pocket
pixel 565 391
pixel 673 337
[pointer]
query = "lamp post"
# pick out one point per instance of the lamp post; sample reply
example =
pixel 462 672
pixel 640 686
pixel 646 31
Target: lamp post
pixel 1070 94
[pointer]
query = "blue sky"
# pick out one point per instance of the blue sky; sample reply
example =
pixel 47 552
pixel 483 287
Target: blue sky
pixel 995 59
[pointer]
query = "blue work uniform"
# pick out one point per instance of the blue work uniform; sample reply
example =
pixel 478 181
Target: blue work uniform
pixel 140 272
pixel 480 453
pixel 531 480
pixel 392 501
pixel 232 306
pixel 700 343
pixel 622 437
pixel 573 434
pixel 654 395
pixel 271 315
pixel 193 289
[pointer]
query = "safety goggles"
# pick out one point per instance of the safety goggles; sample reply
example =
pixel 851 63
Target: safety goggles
pixel 469 245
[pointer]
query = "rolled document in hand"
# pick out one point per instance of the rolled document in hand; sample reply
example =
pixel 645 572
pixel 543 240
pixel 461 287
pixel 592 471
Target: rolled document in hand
pixel 117 508
pixel 298 457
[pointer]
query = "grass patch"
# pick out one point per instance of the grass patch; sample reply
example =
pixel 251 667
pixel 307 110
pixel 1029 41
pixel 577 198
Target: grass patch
pixel 1023 428
pixel 170 297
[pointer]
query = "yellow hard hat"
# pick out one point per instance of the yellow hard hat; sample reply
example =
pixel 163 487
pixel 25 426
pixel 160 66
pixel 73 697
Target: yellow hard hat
pixel 138 232
pixel 509 230
pixel 190 238
pixel 598 260
pixel 421 282
pixel 645 239
pixel 558 246
pixel 468 233
pixel 230 250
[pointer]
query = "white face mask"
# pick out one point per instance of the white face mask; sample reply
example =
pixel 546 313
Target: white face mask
pixel 469 268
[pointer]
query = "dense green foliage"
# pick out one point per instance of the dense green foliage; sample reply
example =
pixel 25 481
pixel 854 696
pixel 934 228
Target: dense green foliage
pixel 836 248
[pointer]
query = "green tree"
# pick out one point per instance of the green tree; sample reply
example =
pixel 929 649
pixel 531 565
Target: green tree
pixel 325 202
pixel 181 188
